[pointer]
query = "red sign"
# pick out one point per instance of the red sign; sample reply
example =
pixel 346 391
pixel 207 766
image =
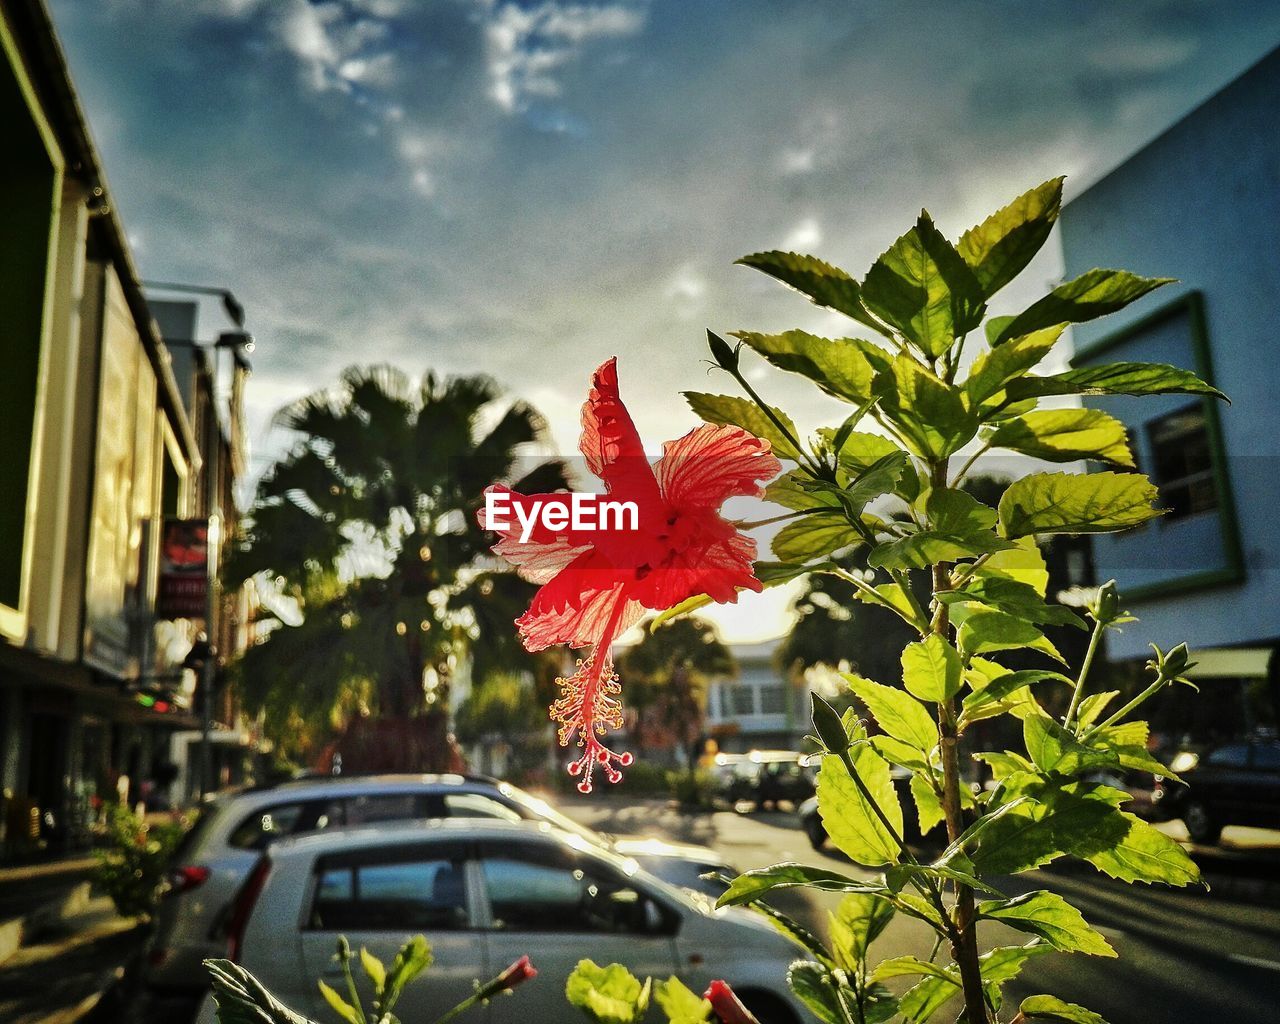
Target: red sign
pixel 184 569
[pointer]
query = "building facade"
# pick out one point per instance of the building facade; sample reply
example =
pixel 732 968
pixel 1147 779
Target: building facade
pixel 99 449
pixel 1201 204
pixel 759 708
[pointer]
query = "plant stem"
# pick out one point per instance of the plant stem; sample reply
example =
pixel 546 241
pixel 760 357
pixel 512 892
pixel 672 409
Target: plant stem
pixel 1084 673
pixel 964 940
pixel 1161 681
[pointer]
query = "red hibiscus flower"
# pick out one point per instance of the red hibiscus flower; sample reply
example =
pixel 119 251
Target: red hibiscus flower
pixel 598 583
pixel 726 1006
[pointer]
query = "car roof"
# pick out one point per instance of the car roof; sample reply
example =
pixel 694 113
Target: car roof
pixel 354 786
pixel 411 832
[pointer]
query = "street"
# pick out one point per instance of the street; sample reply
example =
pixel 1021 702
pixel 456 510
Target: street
pixel 1184 957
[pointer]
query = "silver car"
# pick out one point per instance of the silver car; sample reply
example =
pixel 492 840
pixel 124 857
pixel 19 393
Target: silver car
pixel 484 894
pixel 232 831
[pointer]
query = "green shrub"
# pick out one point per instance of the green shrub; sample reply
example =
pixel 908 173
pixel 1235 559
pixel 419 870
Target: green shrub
pixel 133 860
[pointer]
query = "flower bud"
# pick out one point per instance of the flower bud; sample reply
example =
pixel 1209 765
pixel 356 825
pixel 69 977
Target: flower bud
pixel 726 1006
pixel 1105 606
pixel 723 353
pixel 521 970
pixel 829 727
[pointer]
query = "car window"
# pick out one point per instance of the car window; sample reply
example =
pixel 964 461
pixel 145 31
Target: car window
pixel 553 891
pixel 1236 755
pixel 1266 757
pixel 477 805
pixel 264 826
pixel 413 892
pixel 369 810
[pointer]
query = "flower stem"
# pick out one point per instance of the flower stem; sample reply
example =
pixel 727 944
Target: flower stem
pixel 1098 627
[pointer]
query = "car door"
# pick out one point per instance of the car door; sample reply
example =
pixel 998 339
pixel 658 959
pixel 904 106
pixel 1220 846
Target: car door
pixel 1224 783
pixel 379 898
pixel 560 906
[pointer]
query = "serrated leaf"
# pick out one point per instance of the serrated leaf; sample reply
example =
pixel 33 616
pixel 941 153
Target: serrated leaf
pixel 814 986
pixel 923 286
pixel 1023 563
pixel 931 415
pixel 929 812
pixel 860 449
pixel 1092 706
pixel 896 752
pixel 851 824
pixel 1049 916
pixel 1114 379
pixel 609 995
pixel 957 526
pixel 996 367
pixel 744 413
pixel 339 1005
pixel 857 922
pixel 1093 294
pixel 1013 598
pixel 988 631
pixel 896 712
pixel 894 597
pixel 752 885
pixel 1002 691
pixel 1145 854
pixel 824 284
pixel 1052 1009
pixel 813 536
pixel 1065 435
pixel 932 669
pixel 679 1003
pixel 1001 246
pixel 838 366
pixel 1071 503
pixel 1054 749
pixel 1127 742
pixel 1055 821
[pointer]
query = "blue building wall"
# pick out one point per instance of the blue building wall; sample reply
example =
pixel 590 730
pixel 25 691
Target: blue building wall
pixel 1202 204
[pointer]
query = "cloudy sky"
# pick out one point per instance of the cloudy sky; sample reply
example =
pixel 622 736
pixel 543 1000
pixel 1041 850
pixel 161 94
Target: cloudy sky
pixel 524 189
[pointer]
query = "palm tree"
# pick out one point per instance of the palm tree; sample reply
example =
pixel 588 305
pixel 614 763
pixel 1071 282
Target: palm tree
pixel 666 676
pixel 364 539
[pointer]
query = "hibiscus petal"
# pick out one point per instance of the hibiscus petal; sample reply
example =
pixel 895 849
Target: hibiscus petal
pixel 712 463
pixel 719 569
pixel 610 442
pixel 575 608
pixel 546 552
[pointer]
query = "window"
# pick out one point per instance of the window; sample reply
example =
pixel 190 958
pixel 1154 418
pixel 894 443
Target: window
pixel 391 890
pixel 1182 462
pixel 739 700
pixel 548 890
pixel 263 827
pixel 1236 755
pixel 773 700
pixel 477 805
pixel 368 810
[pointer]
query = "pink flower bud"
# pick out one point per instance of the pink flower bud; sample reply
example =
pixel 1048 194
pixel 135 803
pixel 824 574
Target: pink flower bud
pixel 726 1006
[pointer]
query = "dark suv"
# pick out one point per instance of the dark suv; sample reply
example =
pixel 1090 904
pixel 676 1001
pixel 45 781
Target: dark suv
pixel 765 777
pixel 1237 783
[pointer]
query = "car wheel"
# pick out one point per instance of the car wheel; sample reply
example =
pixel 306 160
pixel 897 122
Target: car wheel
pixel 814 830
pixel 1202 827
pixel 768 1008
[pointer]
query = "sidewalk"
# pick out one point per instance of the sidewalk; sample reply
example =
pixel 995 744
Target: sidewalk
pixel 62 949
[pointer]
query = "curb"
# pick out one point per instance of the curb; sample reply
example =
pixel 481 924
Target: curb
pixel 17 930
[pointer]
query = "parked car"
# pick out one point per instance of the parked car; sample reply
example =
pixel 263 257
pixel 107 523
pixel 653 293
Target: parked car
pixel 811 821
pixel 232 830
pixel 484 894
pixel 765 777
pixel 1233 784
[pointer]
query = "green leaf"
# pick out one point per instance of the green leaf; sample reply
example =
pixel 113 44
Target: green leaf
pixel 984 632
pixel 1052 1009
pixel 744 413
pixel 857 922
pixel 1054 822
pixel 1014 598
pixel 413 958
pixel 839 367
pixel 998 965
pixel 1093 294
pixel 932 670
pixel 1127 742
pixel 931 415
pixel 374 968
pixel 851 823
pixel 1002 691
pixel 1144 854
pixel 793 930
pixel 898 713
pixel 1054 749
pixel 896 752
pixel 1023 563
pixel 1001 246
pixel 1093 706
pixel 892 596
pixel 996 367
pixel 770 574
pixel 1114 379
pixel 860 449
pixel 923 286
pixel 1068 503
pixel 929 813
pixel 1052 918
pixel 1065 435
pixel 813 536
pixel 814 986
pixel 824 284
pixel 608 995
pixel 679 1003
pixel 910 967
pixel 339 1005
pixel 957 526
pixel 750 886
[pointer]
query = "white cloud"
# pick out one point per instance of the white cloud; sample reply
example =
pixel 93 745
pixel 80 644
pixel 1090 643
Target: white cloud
pixel 526 47
pixel 804 236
